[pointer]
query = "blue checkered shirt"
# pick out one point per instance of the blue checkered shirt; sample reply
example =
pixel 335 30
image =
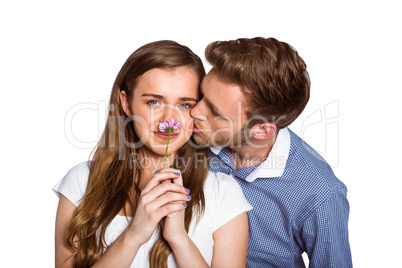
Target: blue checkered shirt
pixel 298 206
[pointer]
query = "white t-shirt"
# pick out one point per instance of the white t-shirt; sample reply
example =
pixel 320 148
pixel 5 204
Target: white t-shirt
pixel 224 200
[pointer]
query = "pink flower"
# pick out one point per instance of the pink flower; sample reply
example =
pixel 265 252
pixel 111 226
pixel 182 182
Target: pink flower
pixel 169 125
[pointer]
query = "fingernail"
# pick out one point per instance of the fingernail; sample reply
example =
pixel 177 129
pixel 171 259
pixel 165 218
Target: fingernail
pixel 185 205
pixel 189 196
pixel 187 190
pixel 176 173
pixel 157 171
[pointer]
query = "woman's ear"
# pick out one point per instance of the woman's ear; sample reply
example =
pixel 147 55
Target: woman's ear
pixel 263 131
pixel 125 103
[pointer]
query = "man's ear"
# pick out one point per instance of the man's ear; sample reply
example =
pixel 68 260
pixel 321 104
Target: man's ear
pixel 263 131
pixel 125 103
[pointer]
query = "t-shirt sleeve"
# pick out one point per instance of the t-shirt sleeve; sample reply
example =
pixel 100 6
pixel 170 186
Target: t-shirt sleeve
pixel 228 198
pixel 74 183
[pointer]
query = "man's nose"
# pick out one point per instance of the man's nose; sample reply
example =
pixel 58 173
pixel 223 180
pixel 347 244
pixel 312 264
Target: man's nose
pixel 196 111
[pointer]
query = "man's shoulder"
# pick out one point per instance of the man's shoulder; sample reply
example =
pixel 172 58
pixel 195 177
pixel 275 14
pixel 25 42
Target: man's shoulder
pixel 310 166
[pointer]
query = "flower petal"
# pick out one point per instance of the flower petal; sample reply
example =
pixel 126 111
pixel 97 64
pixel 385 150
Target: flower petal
pixel 170 123
pixel 162 127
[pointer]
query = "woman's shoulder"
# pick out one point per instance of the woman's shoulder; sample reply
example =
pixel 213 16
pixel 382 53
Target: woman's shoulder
pixel 80 169
pixel 219 186
pixel 78 173
pixel 224 198
pixel 221 182
pixel 73 185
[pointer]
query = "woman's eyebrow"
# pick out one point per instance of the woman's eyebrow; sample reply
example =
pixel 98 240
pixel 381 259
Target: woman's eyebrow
pixel 188 99
pixel 156 96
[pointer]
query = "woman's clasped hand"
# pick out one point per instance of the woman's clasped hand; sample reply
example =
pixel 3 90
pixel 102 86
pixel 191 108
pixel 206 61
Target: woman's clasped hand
pixel 163 200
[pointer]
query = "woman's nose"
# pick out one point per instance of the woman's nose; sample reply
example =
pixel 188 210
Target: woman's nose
pixel 172 112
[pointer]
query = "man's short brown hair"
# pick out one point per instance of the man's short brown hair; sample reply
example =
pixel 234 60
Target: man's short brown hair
pixel 271 73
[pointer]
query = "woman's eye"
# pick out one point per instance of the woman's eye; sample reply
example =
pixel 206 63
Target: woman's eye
pixel 185 105
pixel 153 102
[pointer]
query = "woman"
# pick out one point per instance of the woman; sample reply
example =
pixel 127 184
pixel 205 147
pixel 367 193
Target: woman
pixel 123 208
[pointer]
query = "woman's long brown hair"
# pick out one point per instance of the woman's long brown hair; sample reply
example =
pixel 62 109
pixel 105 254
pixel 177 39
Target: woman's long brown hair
pixel 113 172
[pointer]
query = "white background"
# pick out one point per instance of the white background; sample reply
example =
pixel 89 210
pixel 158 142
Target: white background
pixel 59 54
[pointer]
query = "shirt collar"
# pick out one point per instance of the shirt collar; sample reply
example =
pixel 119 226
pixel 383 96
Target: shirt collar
pixel 216 150
pixel 275 163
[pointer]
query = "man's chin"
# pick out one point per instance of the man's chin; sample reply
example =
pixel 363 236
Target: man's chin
pixel 201 140
pixel 217 142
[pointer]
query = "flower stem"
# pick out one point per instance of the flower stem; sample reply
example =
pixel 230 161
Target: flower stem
pixel 167 145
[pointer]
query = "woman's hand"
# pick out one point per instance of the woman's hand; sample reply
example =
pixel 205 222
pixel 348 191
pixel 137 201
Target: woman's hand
pixel 156 201
pixel 173 224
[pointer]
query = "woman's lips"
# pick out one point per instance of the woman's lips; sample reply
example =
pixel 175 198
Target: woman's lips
pixel 166 135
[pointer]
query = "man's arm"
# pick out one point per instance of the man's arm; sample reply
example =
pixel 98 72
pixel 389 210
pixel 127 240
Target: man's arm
pixel 325 233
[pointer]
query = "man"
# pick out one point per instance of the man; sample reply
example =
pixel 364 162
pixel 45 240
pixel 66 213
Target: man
pixel 255 89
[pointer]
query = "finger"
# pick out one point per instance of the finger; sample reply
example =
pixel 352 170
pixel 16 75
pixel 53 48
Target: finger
pixel 169 209
pixel 170 198
pixel 162 189
pixel 178 180
pixel 167 169
pixel 174 170
pixel 158 177
pixel 160 212
pixel 157 214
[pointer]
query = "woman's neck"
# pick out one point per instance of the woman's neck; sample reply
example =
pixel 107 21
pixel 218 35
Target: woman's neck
pixel 150 162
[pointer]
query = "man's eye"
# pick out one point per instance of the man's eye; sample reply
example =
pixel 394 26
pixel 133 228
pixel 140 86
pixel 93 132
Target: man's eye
pixel 215 113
